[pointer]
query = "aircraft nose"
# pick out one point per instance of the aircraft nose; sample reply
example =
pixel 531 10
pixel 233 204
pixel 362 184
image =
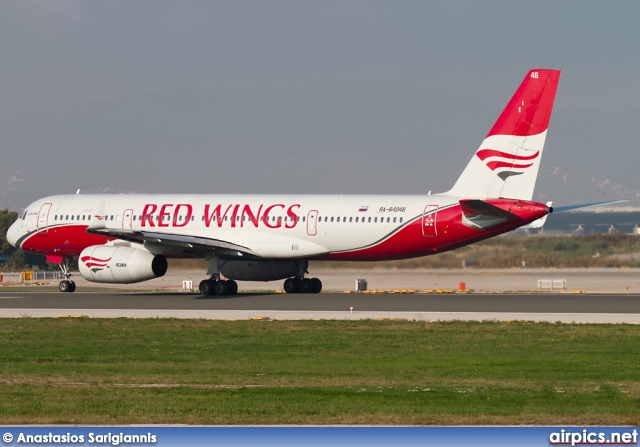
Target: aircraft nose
pixel 13 234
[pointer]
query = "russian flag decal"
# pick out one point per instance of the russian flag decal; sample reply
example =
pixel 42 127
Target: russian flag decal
pixel 363 209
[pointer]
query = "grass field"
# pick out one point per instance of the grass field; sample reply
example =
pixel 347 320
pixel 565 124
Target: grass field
pixel 124 371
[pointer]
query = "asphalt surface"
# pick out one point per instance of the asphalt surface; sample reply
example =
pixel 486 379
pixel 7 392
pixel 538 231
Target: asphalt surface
pixel 550 307
pixel 459 302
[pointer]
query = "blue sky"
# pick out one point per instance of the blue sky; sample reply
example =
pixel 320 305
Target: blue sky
pixel 350 97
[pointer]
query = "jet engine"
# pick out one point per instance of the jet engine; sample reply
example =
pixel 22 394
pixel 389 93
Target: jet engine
pixel 121 265
pixel 269 270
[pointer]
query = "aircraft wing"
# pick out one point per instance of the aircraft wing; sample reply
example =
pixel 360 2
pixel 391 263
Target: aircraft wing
pixel 585 205
pixel 174 241
pixel 559 209
pixel 260 246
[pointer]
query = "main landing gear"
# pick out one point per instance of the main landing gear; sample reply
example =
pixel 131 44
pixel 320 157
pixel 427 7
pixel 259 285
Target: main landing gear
pixel 214 286
pixel 66 285
pixel 302 285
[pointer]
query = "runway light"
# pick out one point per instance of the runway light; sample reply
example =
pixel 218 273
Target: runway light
pixel 351 309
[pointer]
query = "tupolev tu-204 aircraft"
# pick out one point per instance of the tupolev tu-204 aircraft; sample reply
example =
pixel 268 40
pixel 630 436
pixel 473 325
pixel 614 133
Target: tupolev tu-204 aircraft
pixel 128 238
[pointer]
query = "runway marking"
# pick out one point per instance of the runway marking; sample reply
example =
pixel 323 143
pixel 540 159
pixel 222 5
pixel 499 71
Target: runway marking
pixel 12 297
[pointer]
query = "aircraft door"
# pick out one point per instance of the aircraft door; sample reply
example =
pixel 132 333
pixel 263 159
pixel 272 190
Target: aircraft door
pixel 126 219
pixel 429 221
pixel 43 219
pixel 312 223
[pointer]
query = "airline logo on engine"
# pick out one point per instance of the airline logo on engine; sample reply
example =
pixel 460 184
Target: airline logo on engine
pixel 506 163
pixel 95 264
pixel 235 215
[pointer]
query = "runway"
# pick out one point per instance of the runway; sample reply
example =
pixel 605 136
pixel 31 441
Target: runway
pixel 550 307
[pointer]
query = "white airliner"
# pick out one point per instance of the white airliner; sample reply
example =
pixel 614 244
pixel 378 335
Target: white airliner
pixel 128 238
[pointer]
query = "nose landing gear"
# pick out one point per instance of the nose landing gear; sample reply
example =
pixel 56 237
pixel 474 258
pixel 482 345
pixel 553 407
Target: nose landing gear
pixel 66 285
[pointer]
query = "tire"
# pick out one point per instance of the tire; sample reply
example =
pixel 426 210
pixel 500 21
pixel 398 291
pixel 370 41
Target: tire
pixel 64 286
pixel 316 285
pixel 206 287
pixel 305 285
pixel 233 286
pixel 221 288
pixel 72 287
pixel 291 285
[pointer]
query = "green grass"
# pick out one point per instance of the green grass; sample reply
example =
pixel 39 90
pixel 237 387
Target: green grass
pixel 124 371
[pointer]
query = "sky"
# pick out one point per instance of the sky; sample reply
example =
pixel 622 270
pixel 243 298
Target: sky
pixel 344 97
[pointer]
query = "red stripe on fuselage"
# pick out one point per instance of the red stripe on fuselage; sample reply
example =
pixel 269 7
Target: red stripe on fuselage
pixel 63 240
pixel 409 242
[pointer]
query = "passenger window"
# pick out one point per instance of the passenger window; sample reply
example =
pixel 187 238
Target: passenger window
pixel 394 220
pixel 388 219
pixel 401 220
pixel 54 217
pixel 332 219
pixel 71 217
pixel 304 218
pixel 350 219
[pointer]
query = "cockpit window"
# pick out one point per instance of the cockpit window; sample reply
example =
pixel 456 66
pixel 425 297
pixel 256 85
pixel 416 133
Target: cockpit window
pixel 23 216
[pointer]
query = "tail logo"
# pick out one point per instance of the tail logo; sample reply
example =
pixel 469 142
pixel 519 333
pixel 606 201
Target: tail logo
pixel 95 264
pixel 506 163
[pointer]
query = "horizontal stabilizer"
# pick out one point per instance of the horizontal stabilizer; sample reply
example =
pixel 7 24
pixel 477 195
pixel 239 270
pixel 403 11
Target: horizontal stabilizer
pixel 536 224
pixel 482 215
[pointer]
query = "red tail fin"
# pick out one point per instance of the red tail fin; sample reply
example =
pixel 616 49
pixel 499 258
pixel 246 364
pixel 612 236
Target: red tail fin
pixel 529 111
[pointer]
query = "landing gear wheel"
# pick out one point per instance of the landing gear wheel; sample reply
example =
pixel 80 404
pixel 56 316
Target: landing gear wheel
pixel 305 285
pixel 221 288
pixel 316 285
pixel 65 286
pixel 233 286
pixel 291 285
pixel 206 287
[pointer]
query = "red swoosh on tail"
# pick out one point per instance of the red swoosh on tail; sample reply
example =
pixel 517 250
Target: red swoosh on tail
pixel 493 165
pixel 486 153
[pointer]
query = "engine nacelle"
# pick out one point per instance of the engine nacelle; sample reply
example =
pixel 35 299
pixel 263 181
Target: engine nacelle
pixel 121 265
pixel 260 270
